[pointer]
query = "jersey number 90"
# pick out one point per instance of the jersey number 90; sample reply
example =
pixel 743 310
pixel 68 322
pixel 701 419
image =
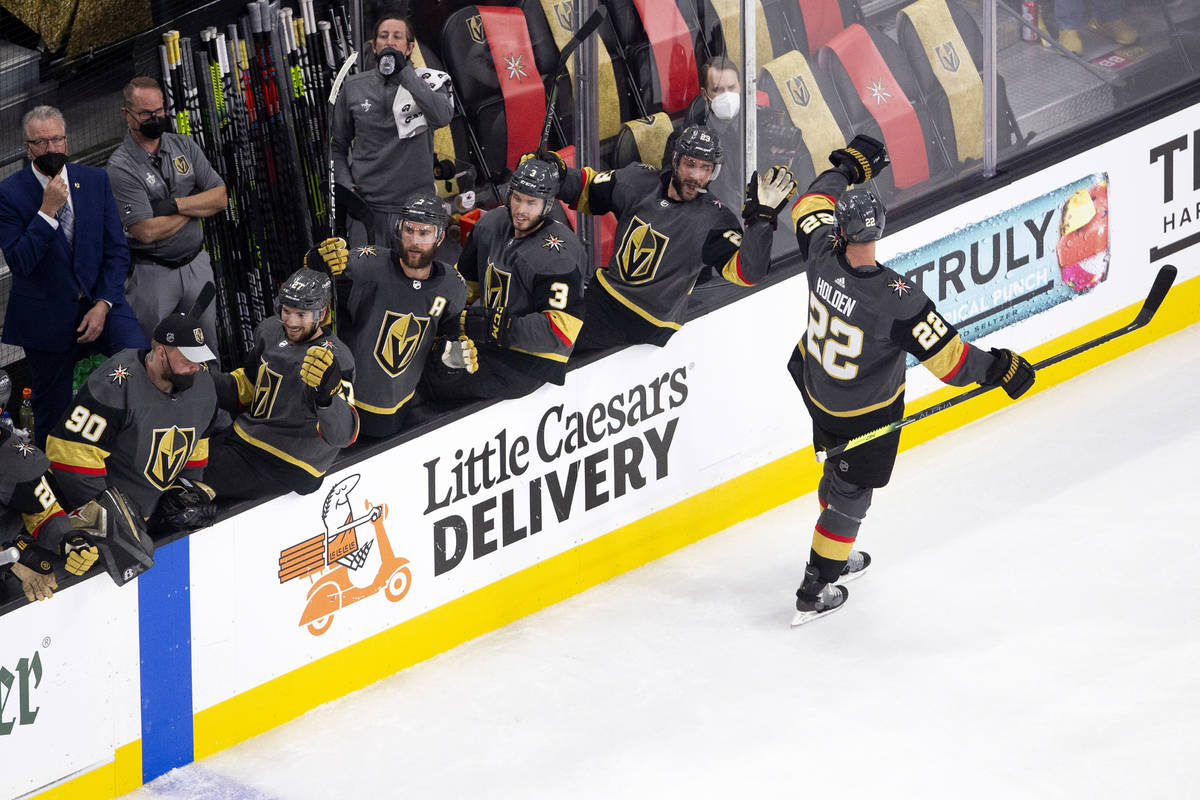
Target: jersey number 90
pixel 832 342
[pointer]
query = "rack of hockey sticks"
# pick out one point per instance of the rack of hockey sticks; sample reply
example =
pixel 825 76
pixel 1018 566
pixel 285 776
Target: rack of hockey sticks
pixel 1158 292
pixel 253 97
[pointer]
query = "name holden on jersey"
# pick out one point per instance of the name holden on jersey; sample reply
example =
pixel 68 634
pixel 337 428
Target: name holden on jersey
pixel 601 475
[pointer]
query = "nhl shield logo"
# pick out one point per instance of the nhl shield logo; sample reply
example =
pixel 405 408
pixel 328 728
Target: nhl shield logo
pixel 475 28
pixel 400 336
pixel 948 56
pixel 641 252
pixel 565 14
pixel 181 165
pixel 798 89
pixel 169 451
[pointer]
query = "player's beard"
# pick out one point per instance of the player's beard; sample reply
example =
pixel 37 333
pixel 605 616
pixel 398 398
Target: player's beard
pixel 689 190
pixel 305 335
pixel 531 223
pixel 416 259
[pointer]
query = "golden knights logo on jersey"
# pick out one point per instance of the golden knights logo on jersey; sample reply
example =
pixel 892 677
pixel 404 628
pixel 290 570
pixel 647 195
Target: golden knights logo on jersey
pixel 641 252
pixel 399 337
pixel 266 389
pixel 169 451
pixel 495 293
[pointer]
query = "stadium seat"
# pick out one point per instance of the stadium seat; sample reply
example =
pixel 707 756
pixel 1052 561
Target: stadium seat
pixel 643 139
pixel 882 99
pixel 945 50
pixel 657 37
pixel 812 23
pixel 803 120
pixel 490 57
pixel 721 29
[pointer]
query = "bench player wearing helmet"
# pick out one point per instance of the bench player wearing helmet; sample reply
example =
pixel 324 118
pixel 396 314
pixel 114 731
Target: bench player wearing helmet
pixel 393 303
pixel 863 321
pixel 668 230
pixel 527 270
pixel 296 397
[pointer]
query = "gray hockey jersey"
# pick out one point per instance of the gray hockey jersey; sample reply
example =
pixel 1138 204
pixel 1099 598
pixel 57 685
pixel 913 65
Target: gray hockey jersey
pixel 662 245
pixel 389 321
pixel 28 503
pixel 124 431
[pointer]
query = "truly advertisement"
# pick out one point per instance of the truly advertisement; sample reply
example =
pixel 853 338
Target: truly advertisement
pixel 1011 266
pixel 1175 164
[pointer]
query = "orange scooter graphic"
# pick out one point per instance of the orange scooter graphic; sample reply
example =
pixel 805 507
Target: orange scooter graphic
pixel 343 571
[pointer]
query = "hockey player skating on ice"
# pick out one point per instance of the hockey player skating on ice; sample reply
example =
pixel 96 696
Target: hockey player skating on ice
pixel 668 230
pixel 296 392
pixel 527 270
pixel 393 304
pixel 863 319
pixel 141 422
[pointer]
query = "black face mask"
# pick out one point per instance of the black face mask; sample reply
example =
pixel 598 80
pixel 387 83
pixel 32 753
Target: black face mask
pixel 181 382
pixel 50 163
pixel 389 58
pixel 153 128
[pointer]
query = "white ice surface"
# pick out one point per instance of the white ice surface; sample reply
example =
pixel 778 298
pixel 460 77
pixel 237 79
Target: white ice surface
pixel 1030 628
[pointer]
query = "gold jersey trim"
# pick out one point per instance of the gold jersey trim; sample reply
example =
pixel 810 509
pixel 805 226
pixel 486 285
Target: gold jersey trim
pixel 653 320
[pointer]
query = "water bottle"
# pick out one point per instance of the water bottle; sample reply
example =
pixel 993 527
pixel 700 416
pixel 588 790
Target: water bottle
pixel 25 415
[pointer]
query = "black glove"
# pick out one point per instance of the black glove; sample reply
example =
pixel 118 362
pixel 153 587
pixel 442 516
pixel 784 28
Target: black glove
pixel 320 373
pixel 862 159
pixel 481 324
pixel 1011 372
pixel 550 157
pixel 184 506
pixel 164 207
pixel 765 198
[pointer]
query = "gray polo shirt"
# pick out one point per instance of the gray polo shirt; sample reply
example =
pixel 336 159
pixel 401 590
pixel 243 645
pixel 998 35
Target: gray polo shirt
pixel 369 155
pixel 182 171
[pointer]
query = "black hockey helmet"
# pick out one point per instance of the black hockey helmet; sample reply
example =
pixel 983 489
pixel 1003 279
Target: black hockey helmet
pixel 535 178
pixel 305 289
pixel 699 142
pixel 426 209
pixel 860 215
pixel 5 389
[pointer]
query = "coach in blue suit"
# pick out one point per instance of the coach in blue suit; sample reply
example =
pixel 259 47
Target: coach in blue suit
pixel 62 238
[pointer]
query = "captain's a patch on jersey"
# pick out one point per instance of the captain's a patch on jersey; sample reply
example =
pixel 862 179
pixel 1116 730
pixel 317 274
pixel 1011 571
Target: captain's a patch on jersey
pixel 899 287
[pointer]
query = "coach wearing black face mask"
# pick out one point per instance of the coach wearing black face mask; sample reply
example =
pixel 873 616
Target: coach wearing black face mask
pixel 62 239
pixel 164 186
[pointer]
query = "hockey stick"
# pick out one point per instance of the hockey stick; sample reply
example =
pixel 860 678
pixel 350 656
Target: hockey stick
pixel 1158 291
pixel 588 27
pixel 334 90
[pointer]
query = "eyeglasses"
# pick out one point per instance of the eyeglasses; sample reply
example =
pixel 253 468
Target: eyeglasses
pixel 46 140
pixel 144 116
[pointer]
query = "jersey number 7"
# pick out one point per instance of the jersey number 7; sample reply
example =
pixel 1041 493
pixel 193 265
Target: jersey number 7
pixel 832 341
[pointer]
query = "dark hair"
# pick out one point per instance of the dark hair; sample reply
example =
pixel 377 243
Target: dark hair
pixel 399 15
pixel 140 82
pixel 720 63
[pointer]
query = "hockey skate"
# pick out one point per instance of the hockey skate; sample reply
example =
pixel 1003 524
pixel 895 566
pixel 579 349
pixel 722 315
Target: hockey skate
pixel 825 600
pixel 856 565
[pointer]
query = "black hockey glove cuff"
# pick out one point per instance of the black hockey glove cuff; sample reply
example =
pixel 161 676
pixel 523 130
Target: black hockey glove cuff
pixel 481 324
pixel 1011 372
pixel 861 160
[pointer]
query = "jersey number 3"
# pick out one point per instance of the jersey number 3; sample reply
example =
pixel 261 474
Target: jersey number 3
pixel 832 341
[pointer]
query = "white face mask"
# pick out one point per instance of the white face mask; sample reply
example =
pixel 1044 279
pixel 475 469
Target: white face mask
pixel 726 105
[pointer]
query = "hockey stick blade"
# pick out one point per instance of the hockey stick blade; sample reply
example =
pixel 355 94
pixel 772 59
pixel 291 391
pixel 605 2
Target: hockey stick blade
pixel 1158 292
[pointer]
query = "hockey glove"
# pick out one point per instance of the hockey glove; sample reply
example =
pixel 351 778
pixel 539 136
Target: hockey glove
pixel 164 207
pixel 862 159
pixel 550 157
pixel 767 196
pixel 320 374
pixel 481 324
pixel 1011 372
pixel 34 570
pixel 335 254
pixel 461 354
pixel 184 506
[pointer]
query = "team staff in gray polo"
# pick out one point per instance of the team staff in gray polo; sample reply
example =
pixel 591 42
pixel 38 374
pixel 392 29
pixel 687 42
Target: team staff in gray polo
pixel 164 185
pixel 383 123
